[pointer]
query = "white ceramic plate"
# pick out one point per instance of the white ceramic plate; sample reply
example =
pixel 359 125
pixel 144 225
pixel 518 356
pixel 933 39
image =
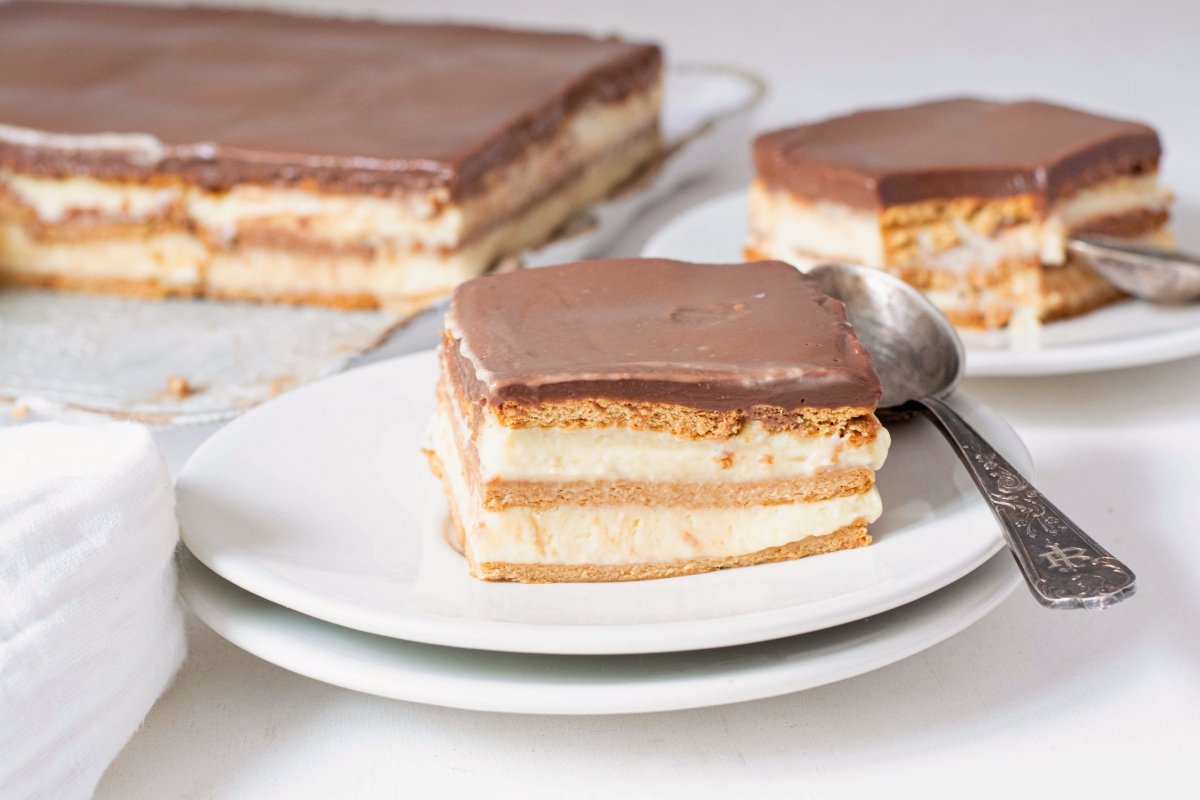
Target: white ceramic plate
pixel 540 684
pixel 1132 333
pixel 321 501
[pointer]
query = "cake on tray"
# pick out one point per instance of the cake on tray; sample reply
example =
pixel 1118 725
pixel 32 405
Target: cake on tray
pixel 630 419
pixel 262 156
pixel 970 201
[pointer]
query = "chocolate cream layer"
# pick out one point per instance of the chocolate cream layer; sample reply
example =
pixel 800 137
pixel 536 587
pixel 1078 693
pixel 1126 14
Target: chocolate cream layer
pixel 130 92
pixel 953 148
pixel 754 338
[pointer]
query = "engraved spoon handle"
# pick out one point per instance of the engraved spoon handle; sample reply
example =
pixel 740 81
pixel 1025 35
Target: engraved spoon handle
pixel 1063 566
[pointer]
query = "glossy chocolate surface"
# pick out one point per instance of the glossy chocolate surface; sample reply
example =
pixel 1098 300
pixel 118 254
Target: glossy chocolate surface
pixel 221 96
pixel 952 148
pixel 714 337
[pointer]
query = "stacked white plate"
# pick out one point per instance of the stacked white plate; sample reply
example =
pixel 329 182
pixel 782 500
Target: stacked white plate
pixel 316 542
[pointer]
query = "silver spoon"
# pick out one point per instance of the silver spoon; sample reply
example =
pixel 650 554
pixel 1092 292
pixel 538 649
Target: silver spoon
pixel 1163 276
pixel 920 361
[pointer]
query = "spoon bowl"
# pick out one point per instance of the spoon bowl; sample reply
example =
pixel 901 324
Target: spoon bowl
pixel 1161 276
pixel 915 349
pixel 920 361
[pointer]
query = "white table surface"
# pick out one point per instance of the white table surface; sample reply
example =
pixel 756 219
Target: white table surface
pixel 1027 701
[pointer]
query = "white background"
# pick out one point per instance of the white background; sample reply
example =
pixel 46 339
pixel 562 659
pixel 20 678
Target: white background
pixel 1027 702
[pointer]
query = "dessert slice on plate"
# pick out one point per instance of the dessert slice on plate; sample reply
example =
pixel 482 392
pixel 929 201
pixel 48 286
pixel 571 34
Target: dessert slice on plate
pixel 629 419
pixel 969 200
pixel 253 155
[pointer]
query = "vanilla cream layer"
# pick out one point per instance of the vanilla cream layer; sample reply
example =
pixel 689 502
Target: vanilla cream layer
pixel 170 258
pixel 616 453
pixel 806 233
pixel 975 251
pixel 784 226
pixel 56 199
pixel 633 534
pixel 404 221
pixel 640 534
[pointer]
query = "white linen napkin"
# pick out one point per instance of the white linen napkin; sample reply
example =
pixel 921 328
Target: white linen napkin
pixel 91 630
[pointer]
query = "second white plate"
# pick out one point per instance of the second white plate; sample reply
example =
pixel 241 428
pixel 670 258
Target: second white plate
pixel 1128 334
pixel 538 684
pixel 321 501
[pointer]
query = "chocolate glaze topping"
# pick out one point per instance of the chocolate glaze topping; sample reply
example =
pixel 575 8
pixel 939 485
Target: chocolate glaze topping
pixel 706 336
pixel 952 148
pixel 222 96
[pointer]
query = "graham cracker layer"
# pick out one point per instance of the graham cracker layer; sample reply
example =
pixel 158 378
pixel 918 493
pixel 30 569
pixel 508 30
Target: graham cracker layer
pixel 346 301
pixel 1128 225
pixel 154 289
pixel 84 226
pixel 268 236
pixel 982 318
pixel 911 231
pixel 149 288
pixel 853 535
pixel 501 494
pixel 1072 289
pixel 1000 275
pixel 597 412
pixel 858 425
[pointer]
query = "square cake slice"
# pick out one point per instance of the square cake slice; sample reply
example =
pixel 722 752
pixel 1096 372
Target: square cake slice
pixel 968 200
pixel 263 156
pixel 630 419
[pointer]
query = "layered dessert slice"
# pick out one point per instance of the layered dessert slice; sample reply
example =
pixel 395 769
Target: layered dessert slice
pixel 271 157
pixel 969 200
pixel 630 419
